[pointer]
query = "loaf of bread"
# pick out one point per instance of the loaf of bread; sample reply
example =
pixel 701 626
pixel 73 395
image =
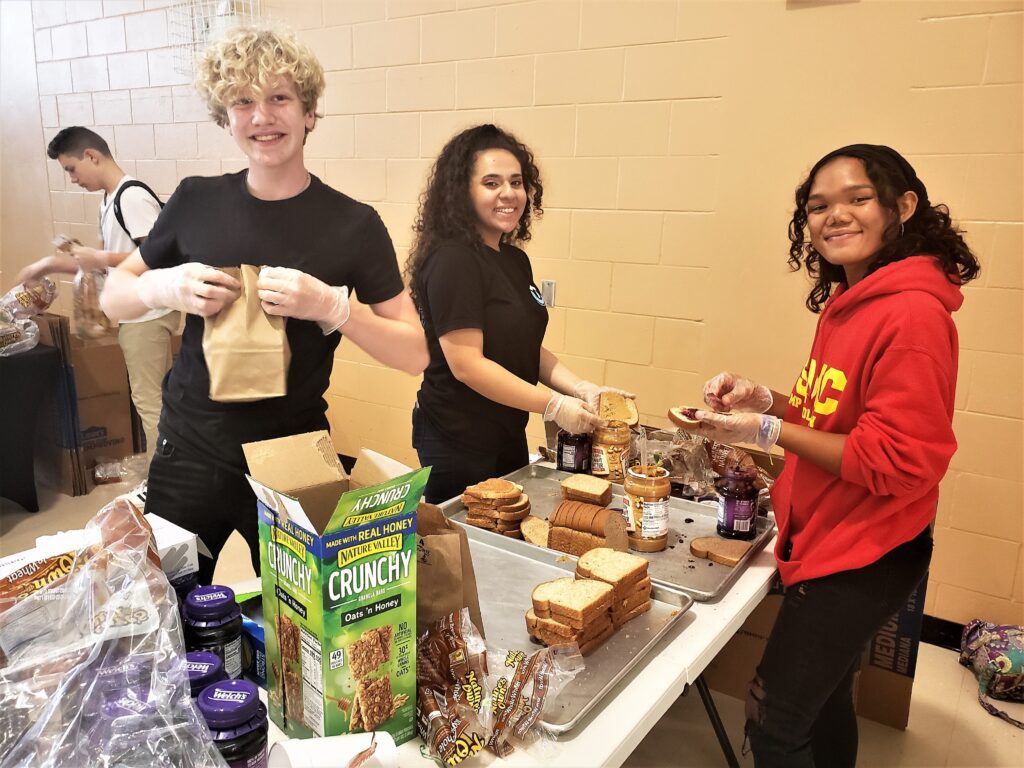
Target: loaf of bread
pixel 577 527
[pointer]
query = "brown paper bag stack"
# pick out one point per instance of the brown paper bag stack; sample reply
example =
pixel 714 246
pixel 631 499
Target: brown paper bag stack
pixel 445 580
pixel 246 349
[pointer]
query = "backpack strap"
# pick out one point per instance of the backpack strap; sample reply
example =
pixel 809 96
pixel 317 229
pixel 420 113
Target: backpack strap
pixel 117 204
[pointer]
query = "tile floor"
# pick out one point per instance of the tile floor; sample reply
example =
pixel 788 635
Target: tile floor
pixel 947 725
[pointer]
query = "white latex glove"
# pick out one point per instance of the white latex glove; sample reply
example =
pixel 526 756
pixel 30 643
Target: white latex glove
pixel 192 287
pixel 729 392
pixel 571 414
pixel 590 393
pixel 88 259
pixel 759 429
pixel 292 293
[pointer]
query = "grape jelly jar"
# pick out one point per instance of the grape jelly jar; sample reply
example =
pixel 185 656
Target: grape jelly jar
pixel 213 622
pixel 237 720
pixel 204 668
pixel 737 503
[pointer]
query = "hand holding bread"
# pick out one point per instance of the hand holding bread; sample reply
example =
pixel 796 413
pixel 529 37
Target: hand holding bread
pixel 591 393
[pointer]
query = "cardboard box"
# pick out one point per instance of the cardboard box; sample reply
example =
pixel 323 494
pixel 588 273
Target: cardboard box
pixel 338 570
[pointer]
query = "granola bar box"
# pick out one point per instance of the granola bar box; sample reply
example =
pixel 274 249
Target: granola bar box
pixel 338 568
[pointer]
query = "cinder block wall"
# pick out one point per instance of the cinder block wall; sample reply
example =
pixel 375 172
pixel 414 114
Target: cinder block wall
pixel 670 136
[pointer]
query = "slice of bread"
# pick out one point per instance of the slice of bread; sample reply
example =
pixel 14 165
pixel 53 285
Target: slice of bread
pixel 495 489
pixel 520 504
pixel 538 626
pixel 588 488
pixel 719 550
pixel 615 407
pixel 482 522
pixel 535 530
pixel 611 566
pixel 683 417
pixel 572 598
pixel 587 648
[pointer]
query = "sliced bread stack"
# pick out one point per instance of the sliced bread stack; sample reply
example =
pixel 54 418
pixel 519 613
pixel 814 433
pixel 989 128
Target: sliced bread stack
pixel 578 527
pixel 497 505
pixel 569 610
pixel 627 576
pixel 593 490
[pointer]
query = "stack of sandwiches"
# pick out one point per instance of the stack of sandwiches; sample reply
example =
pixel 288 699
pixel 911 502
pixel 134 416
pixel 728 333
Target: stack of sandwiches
pixel 569 610
pixel 610 588
pixel 497 505
pixel 627 575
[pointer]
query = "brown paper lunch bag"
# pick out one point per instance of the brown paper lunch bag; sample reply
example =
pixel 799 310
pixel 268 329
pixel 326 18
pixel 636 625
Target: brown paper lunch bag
pixel 445 579
pixel 246 350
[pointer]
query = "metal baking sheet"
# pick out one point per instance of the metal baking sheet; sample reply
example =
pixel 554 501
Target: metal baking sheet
pixel 505 582
pixel 673 567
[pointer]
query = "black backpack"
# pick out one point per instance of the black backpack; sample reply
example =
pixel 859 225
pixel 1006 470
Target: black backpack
pixel 117 205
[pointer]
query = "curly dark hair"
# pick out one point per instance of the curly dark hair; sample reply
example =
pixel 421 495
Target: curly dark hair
pixel 446 211
pixel 929 231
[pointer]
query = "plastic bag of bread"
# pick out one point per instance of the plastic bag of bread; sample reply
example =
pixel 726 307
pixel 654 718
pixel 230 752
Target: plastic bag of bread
pixel 474 696
pixel 95 669
pixel 90 321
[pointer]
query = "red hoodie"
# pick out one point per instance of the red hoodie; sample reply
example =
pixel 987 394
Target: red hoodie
pixel 882 370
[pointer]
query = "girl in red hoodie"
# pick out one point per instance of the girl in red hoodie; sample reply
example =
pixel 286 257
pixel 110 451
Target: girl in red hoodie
pixel 868 435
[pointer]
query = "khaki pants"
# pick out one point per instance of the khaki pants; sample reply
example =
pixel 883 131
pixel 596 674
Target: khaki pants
pixel 147 354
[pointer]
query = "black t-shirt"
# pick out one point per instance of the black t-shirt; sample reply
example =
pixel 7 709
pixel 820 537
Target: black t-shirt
pixel 459 287
pixel 217 222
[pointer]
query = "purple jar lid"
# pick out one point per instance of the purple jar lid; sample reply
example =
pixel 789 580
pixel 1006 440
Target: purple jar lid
pixel 211 604
pixel 124 672
pixel 204 668
pixel 229 704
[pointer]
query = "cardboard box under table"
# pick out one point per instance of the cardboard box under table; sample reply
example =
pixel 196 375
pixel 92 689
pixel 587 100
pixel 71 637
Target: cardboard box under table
pixel 338 568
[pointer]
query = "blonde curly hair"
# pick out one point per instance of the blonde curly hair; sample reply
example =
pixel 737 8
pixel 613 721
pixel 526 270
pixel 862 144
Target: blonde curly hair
pixel 253 58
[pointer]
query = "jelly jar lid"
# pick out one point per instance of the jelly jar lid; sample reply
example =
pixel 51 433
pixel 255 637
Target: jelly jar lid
pixel 229 703
pixel 211 602
pixel 203 667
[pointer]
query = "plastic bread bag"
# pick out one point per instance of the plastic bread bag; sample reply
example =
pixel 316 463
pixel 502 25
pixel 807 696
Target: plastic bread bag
pixel 475 696
pixel 451 663
pixel 690 464
pixel 521 688
pixel 90 321
pixel 95 668
pixel 17 336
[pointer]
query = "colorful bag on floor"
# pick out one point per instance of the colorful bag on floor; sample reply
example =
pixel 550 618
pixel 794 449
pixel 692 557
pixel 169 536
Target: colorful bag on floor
pixel 996 654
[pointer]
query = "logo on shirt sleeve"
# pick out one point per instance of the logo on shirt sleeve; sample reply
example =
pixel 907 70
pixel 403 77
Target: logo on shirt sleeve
pixel 535 292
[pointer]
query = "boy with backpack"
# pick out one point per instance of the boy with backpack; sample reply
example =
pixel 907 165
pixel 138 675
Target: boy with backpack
pixel 127 212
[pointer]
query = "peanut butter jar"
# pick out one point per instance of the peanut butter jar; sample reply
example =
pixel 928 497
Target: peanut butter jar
pixel 645 504
pixel 609 453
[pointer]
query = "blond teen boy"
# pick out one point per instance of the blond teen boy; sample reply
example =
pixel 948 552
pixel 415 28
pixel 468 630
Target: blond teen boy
pixel 320 245
pixel 127 212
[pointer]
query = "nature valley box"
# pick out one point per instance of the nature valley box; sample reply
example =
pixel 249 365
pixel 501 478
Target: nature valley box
pixel 338 568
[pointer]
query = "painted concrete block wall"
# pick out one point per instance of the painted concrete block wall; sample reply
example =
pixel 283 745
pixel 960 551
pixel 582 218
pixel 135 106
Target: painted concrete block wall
pixel 670 136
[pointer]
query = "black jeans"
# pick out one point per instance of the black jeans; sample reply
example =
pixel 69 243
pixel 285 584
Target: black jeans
pixel 453 468
pixel 800 708
pixel 202 498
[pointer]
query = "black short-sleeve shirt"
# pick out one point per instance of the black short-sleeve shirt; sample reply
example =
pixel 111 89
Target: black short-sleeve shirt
pixel 217 222
pixel 461 286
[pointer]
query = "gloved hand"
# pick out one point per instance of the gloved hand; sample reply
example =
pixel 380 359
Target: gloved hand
pixel 291 293
pixel 590 393
pixel 191 287
pixel 88 259
pixel 729 392
pixel 757 428
pixel 571 414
